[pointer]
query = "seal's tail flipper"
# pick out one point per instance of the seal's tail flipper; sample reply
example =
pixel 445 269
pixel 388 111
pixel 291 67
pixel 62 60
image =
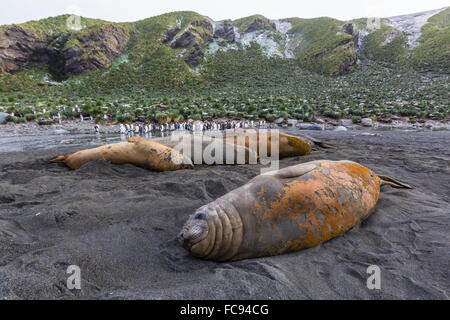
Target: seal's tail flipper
pixel 388 181
pixel 59 159
pixel 324 145
pixel 317 142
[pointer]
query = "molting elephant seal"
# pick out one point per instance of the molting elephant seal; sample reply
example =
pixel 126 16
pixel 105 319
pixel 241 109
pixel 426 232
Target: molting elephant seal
pixel 283 211
pixel 289 146
pixel 137 151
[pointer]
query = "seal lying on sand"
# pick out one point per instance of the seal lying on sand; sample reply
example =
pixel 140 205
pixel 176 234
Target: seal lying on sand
pixel 247 146
pixel 203 149
pixel 289 146
pixel 286 210
pixel 137 151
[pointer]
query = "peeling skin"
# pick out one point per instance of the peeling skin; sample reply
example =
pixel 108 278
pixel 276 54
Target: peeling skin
pixel 136 151
pixel 287 210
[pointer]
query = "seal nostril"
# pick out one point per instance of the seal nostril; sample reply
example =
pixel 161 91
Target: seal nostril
pixel 181 237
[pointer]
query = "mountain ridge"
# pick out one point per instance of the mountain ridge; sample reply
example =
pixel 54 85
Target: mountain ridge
pixel 324 45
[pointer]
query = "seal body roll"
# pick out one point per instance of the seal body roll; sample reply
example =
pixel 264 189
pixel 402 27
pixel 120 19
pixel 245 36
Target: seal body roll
pixel 283 211
pixel 136 151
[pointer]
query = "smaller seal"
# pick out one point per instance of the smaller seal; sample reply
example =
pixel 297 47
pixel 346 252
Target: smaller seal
pixel 288 145
pixel 136 151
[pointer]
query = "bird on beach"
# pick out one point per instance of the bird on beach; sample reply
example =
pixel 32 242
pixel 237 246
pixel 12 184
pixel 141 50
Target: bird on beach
pixel 123 130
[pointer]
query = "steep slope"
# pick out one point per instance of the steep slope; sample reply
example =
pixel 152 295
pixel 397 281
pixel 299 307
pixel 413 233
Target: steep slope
pixel 324 45
pixel 420 40
pixel 433 50
pixel 177 48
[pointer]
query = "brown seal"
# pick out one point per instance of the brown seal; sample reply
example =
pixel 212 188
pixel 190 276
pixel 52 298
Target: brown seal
pixel 203 149
pixel 137 151
pixel 283 211
pixel 289 146
pixel 241 146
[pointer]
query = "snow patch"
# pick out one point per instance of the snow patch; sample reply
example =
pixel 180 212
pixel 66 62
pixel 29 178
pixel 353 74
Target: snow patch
pixel 264 39
pixel 46 79
pixel 178 22
pixel 362 34
pixel 411 24
pixel 283 27
pixel 214 47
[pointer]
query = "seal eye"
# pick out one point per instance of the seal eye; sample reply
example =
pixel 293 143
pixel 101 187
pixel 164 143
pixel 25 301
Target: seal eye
pixel 199 216
pixel 371 175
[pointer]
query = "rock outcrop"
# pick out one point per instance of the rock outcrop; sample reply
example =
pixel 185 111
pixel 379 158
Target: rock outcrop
pixel 88 50
pixel 258 24
pixel 95 50
pixel 225 30
pixel 20 46
pixel 193 39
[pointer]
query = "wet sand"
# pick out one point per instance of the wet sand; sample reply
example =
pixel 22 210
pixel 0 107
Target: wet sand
pixel 118 224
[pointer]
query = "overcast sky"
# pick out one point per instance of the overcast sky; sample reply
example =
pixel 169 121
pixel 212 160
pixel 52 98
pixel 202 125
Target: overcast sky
pixel 18 11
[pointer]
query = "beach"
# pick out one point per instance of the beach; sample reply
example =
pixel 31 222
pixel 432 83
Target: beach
pixel 118 223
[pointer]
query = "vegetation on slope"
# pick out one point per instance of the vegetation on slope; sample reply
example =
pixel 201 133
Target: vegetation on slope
pixel 434 51
pixel 387 44
pixel 241 82
pixel 323 46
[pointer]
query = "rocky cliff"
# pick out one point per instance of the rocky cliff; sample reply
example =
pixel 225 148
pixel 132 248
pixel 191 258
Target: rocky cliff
pixel 66 54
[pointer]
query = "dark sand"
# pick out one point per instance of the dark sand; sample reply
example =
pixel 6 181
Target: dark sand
pixel 117 223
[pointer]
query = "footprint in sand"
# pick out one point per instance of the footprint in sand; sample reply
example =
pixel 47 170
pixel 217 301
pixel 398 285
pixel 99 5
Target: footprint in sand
pixel 13 232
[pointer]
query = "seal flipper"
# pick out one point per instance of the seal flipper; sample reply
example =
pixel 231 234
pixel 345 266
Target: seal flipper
pixel 388 181
pixel 59 159
pixel 294 171
pixel 317 142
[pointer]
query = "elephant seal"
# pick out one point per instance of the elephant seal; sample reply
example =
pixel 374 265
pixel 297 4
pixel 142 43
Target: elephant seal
pixel 203 149
pixel 289 146
pixel 137 151
pixel 241 146
pixel 283 211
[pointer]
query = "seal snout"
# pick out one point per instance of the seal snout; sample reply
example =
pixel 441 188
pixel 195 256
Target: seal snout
pixel 180 238
pixel 194 231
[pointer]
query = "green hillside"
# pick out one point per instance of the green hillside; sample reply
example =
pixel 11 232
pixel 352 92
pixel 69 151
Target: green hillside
pixel 434 50
pixel 260 68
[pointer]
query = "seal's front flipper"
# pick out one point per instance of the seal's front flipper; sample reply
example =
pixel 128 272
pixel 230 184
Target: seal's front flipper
pixel 388 181
pixel 294 171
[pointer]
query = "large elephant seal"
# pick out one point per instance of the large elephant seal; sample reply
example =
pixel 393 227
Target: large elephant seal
pixel 137 151
pixel 286 210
